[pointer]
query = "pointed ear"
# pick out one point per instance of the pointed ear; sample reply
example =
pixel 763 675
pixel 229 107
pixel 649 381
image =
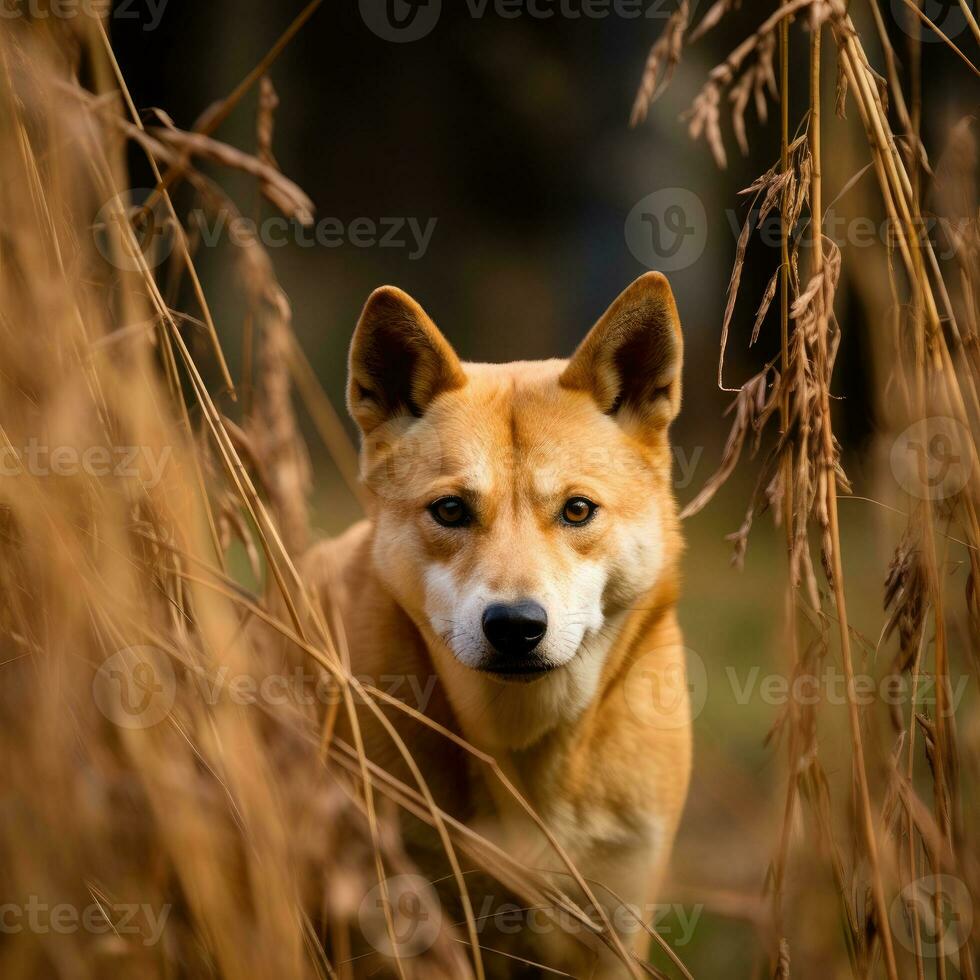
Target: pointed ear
pixel 630 362
pixel 399 362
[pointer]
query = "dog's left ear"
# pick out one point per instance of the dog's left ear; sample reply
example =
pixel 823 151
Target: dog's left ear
pixel 399 361
pixel 630 362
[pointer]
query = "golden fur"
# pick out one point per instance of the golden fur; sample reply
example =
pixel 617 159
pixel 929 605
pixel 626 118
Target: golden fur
pixel 601 744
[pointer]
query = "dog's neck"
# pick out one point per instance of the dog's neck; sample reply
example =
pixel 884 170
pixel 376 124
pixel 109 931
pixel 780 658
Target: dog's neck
pixel 542 734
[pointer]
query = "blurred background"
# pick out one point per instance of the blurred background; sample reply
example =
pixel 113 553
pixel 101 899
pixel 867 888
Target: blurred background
pixel 495 153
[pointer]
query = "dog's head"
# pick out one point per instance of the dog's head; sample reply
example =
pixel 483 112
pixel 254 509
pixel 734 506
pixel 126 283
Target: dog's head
pixel 520 509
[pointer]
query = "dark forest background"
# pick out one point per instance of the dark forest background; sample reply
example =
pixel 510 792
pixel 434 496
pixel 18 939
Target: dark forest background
pixel 513 133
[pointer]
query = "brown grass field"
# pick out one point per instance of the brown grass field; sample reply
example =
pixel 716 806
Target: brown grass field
pixel 155 498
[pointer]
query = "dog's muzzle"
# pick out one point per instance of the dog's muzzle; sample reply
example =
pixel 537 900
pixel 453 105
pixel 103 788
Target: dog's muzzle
pixel 514 631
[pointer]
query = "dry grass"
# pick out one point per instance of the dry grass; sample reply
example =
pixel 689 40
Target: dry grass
pixel 909 815
pixel 251 828
pixel 259 838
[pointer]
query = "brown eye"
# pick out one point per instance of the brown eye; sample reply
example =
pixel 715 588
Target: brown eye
pixel 450 512
pixel 578 510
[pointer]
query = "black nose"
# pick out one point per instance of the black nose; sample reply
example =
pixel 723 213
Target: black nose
pixel 515 628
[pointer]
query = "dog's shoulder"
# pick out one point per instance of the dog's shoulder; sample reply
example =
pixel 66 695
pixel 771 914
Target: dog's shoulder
pixel 389 658
pixel 334 569
pixel 341 575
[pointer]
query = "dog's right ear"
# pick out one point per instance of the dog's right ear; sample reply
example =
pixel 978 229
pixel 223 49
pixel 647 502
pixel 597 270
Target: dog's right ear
pixel 399 361
pixel 630 362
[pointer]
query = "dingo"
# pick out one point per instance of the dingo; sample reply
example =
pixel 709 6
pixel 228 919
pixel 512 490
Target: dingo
pixel 522 550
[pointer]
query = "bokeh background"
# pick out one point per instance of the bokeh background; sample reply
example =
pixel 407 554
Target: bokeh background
pixel 512 134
